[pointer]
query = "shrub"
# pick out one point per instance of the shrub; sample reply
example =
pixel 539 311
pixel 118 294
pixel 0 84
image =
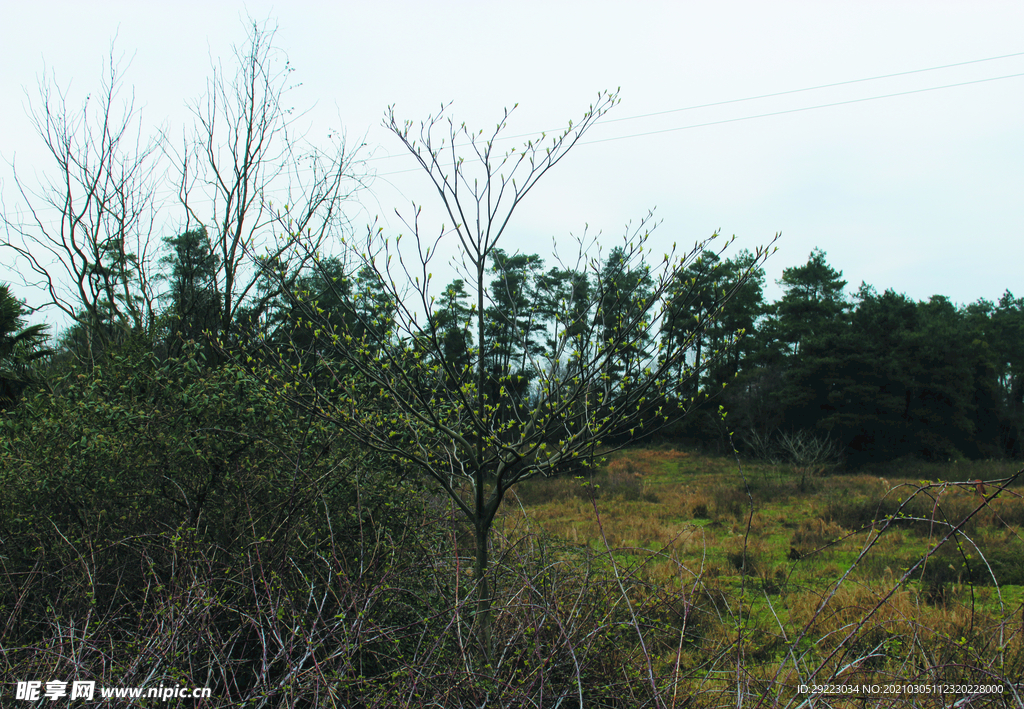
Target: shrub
pixel 186 516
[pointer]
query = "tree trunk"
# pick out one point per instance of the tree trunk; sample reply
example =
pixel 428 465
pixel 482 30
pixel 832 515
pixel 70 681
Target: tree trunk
pixel 483 590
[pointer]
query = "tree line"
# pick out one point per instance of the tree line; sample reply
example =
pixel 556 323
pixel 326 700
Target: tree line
pixel 876 375
pixel 880 375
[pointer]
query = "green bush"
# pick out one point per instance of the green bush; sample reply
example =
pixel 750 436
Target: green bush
pixel 179 512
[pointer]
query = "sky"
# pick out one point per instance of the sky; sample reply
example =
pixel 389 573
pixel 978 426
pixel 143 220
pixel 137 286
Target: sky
pixel 920 191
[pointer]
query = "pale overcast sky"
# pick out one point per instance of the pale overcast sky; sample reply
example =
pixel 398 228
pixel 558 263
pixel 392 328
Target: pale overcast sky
pixel 920 192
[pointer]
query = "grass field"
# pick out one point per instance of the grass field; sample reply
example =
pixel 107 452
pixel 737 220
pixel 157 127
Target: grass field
pixel 769 577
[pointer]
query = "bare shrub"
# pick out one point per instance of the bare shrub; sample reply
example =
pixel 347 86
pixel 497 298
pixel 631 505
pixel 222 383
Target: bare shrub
pixel 807 451
pixel 761 445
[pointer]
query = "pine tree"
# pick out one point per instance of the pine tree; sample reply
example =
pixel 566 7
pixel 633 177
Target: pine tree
pixel 194 301
pixel 814 303
pixel 19 346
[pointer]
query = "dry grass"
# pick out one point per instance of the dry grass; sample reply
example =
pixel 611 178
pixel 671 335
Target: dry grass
pixel 811 581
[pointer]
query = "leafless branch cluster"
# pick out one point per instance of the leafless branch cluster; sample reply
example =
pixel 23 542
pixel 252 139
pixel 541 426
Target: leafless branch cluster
pixel 86 233
pixel 806 450
pixel 266 184
pixel 244 176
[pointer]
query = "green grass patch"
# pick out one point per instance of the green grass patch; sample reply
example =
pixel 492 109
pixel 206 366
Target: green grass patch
pixel 692 513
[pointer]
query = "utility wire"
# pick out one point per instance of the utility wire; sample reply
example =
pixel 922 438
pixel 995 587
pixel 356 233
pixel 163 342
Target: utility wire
pixel 805 108
pixel 752 98
pixel 765 115
pixel 810 88
pixel 761 96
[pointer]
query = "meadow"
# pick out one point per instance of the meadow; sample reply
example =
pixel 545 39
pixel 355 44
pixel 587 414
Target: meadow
pixel 737 578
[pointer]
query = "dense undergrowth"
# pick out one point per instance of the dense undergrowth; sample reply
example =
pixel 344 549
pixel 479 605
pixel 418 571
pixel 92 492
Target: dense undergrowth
pixel 170 524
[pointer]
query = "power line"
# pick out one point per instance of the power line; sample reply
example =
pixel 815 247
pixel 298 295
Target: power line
pixel 745 99
pixel 805 108
pixel 767 115
pixel 812 88
pixel 760 115
pixel 753 98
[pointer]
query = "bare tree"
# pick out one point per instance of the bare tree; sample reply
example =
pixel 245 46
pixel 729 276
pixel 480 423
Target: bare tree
pixel 89 233
pixel 254 185
pixel 464 423
pixel 85 232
